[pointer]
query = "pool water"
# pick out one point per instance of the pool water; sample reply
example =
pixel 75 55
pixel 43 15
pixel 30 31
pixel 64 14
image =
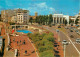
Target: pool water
pixel 1 37
pixel 24 31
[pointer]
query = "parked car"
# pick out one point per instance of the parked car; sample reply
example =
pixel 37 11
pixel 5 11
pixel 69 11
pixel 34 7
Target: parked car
pixel 78 33
pixel 66 28
pixel 65 42
pixel 71 36
pixel 78 27
pixel 75 29
pixel 57 30
pixel 78 40
pixel 59 26
pixel 71 27
pixel 31 41
pixel 71 30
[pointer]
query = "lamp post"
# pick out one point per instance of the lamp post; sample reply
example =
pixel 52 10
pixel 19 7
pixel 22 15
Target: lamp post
pixel 79 54
pixel 64 45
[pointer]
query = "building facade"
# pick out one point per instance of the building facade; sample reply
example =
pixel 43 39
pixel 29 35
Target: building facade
pixel 6 15
pixel 14 19
pixel 78 17
pixel 18 16
pixel 22 16
pixel 73 18
pixel 60 19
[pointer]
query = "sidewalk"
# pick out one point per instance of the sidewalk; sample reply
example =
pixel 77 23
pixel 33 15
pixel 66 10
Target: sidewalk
pixel 23 45
pixel 58 46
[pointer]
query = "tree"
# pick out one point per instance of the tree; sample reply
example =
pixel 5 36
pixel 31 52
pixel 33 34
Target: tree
pixel 44 19
pixel 70 21
pixel 76 21
pixel 48 53
pixel 11 23
pixel 31 20
pixel 44 43
pixel 65 22
pixel 50 19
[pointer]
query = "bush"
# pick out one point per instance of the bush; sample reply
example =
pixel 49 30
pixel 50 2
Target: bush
pixel 11 23
pixel 44 43
pixel 48 53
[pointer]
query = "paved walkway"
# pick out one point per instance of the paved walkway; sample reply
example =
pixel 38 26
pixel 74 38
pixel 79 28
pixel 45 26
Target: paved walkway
pixel 58 47
pixel 9 54
pixel 24 46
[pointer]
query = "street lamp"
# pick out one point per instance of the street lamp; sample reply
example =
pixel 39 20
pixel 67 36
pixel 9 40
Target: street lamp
pixel 64 45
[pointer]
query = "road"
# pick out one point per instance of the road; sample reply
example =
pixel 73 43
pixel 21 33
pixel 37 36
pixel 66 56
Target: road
pixel 71 50
pixel 74 38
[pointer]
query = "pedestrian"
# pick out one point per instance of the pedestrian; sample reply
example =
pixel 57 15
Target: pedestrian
pixel 17 42
pixel 24 42
pixel 20 41
pixel 14 39
pixel 25 51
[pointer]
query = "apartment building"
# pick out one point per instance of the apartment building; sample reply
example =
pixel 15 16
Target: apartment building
pixel 18 16
pixel 6 15
pixel 22 16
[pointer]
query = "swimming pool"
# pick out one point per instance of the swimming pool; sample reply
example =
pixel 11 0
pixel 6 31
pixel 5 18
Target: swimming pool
pixel 24 31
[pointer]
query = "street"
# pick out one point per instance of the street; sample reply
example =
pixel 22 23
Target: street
pixel 71 50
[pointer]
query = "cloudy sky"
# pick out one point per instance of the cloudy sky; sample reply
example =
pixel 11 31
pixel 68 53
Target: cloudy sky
pixel 43 7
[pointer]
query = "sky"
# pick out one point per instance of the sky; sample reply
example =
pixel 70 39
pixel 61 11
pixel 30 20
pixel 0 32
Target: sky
pixel 43 7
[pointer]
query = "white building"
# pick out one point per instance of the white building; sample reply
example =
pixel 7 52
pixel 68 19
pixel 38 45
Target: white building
pixel 14 19
pixel 22 16
pixel 76 17
pixel 60 19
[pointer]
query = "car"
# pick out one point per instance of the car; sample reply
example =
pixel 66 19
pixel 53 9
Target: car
pixel 59 26
pixel 71 27
pixel 78 28
pixel 75 29
pixel 57 30
pixel 77 25
pixel 78 33
pixel 31 41
pixel 66 28
pixel 71 36
pixel 78 40
pixel 65 42
pixel 71 30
